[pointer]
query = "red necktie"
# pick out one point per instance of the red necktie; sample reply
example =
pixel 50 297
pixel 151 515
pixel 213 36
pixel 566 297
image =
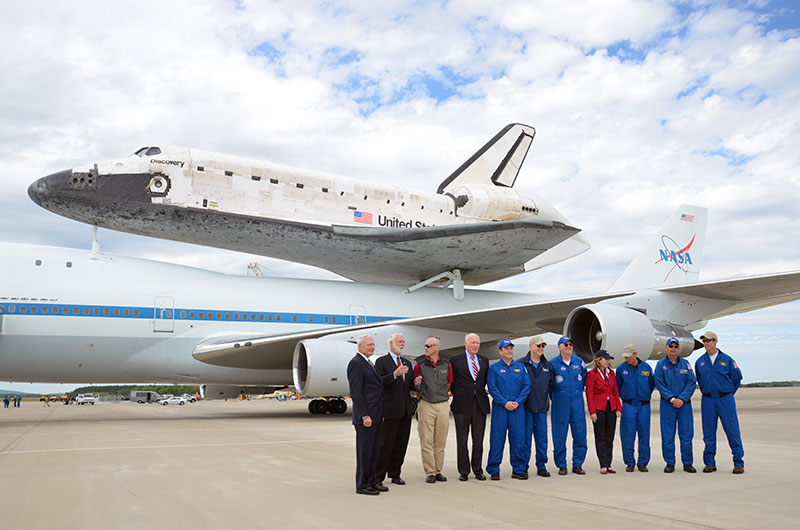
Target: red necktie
pixel 474 367
pixel 399 364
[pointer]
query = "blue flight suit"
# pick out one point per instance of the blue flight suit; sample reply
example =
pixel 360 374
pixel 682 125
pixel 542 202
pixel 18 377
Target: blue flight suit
pixel 507 382
pixel 676 380
pixel 568 411
pixel 718 384
pixel 537 404
pixel 635 384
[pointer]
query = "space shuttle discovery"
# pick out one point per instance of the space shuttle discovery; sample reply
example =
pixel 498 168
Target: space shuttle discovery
pixel 476 228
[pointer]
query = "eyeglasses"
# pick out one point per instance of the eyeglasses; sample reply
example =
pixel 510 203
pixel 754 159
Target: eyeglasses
pixel 708 340
pixel 568 344
pixel 429 345
pixel 673 346
pixel 542 345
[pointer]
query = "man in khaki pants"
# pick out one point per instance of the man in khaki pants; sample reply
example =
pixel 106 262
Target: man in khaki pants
pixel 433 414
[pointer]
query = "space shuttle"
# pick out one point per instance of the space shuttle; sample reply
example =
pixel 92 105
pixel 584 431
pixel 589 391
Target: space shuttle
pixel 474 229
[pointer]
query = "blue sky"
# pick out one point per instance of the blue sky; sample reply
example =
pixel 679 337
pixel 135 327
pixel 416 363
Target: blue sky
pixel 638 105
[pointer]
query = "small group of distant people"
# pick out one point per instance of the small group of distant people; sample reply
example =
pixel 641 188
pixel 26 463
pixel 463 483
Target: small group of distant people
pixel 16 401
pixel 388 393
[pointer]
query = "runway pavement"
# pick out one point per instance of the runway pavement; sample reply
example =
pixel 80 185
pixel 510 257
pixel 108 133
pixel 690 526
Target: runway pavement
pixel 266 464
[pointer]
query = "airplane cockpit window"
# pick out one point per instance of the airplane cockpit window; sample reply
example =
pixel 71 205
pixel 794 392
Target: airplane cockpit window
pixel 140 152
pixel 153 151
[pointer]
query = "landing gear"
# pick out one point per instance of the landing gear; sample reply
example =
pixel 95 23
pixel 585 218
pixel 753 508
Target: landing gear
pixel 324 405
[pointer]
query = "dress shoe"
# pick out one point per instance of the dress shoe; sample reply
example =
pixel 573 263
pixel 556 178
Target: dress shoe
pixel 603 471
pixel 463 477
pixel 689 468
pixel 629 469
pixel 495 476
pixel 398 481
pixel 440 478
pixel 543 473
pixel 709 468
pixel 430 479
pixel 669 468
pixel 368 491
pixel 380 487
pixel 578 470
pixel 738 470
pixel 562 471
pixel 611 470
pixel 480 476
pixel 643 468
pixel 520 476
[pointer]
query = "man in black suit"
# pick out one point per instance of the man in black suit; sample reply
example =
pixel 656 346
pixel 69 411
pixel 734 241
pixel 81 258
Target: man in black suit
pixel 398 409
pixel 366 390
pixel 470 405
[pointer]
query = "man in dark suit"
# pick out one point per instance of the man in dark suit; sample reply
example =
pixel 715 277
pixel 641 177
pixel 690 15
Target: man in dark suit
pixel 398 409
pixel 366 391
pixel 470 405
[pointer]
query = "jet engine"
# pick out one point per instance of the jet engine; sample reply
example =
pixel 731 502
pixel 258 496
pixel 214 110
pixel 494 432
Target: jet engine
pixel 231 391
pixel 319 367
pixel 610 327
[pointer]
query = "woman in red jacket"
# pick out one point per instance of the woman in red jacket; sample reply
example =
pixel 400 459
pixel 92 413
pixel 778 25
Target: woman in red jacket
pixel 602 398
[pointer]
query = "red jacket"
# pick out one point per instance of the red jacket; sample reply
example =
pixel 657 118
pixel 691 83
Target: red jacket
pixel 599 390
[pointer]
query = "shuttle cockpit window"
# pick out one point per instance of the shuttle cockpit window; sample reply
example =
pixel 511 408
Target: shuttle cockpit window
pixel 141 152
pixel 148 151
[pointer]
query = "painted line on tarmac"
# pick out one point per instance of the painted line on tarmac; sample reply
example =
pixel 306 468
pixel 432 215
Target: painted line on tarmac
pixel 170 446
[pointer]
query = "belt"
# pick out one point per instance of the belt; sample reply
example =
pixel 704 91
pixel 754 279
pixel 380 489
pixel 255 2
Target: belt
pixel 721 394
pixel 629 402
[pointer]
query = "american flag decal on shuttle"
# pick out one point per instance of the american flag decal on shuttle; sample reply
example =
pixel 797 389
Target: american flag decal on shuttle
pixel 687 217
pixel 362 217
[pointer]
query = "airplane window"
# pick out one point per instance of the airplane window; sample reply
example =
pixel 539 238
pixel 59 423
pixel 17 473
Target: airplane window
pixel 106 311
pixel 85 310
pixel 136 312
pixel 255 177
pixel 299 185
pixel 116 312
pixel 261 317
pixel 12 309
pixel 44 310
pixel 126 312
pixel 333 319
pixel 236 316
pixel 294 318
pixel 140 152
pixel 311 319
pixel 278 318
pixel 326 320
pixel 227 316
pixel 269 318
pixel 169 313
pixel 324 190
pixel 34 309
pixel 191 314
pixel 153 151
pixel 69 264
pixel 422 207
pixel 200 168
pixel 23 309
pixel 75 311
pixel 65 310
pixel 38 262
pixel 209 316
pixel 229 173
pixel 273 181
pixel 96 310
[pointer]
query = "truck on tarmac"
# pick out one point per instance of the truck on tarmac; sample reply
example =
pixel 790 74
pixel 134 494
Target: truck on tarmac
pixel 83 399
pixel 145 396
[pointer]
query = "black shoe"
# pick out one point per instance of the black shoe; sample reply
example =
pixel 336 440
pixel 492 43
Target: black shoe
pixel 380 487
pixel 738 470
pixel 430 479
pixel 368 491
pixel 398 481
pixel 709 468
pixel 495 476
pixel 463 477
pixel 543 473
pixel 689 468
pixel 629 469
pixel 562 471
pixel 440 478
pixel 578 470
pixel 643 468
pixel 520 476
pixel 480 476
pixel 669 468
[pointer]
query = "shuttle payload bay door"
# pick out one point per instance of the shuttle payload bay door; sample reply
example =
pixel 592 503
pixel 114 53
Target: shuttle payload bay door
pixel 164 316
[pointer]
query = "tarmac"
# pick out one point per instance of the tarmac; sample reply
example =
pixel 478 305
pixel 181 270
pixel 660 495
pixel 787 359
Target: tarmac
pixel 265 464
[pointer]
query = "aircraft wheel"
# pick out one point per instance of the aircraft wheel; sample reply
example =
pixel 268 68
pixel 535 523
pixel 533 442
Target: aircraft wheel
pixel 337 406
pixel 317 406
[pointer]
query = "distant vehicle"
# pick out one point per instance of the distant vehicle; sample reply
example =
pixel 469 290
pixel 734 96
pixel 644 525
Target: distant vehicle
pixel 174 399
pixel 145 396
pixel 83 399
pixel 189 397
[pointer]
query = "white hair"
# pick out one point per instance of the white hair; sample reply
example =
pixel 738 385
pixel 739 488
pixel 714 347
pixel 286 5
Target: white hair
pixel 466 337
pixel 393 337
pixel 363 338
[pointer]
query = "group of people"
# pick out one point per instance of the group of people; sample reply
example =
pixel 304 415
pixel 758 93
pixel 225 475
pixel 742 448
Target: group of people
pixel 15 400
pixel 385 394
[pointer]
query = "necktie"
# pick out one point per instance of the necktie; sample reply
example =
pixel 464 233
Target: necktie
pixel 474 367
pixel 399 364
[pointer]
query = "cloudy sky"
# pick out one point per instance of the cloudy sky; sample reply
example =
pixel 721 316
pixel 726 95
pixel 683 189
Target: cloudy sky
pixel 638 106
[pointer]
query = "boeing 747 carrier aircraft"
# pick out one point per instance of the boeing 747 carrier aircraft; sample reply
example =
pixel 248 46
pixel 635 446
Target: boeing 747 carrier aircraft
pixel 332 222
pixel 81 316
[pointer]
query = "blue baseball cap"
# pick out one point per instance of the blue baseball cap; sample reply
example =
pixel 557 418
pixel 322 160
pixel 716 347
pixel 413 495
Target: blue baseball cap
pixel 564 339
pixel 673 340
pixel 604 354
pixel 504 343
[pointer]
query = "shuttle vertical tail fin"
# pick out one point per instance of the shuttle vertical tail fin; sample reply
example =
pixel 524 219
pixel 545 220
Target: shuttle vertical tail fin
pixel 672 257
pixel 499 161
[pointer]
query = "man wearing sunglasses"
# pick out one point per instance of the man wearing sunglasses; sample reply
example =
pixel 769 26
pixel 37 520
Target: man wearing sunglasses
pixel 568 412
pixel 431 377
pixel 675 380
pixel 719 378
pixel 541 375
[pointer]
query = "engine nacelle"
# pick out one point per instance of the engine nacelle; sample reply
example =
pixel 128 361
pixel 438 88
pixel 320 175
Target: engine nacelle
pixel 231 391
pixel 610 327
pixel 319 367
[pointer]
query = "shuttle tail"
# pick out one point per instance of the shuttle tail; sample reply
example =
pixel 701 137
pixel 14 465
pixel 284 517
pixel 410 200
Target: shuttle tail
pixel 499 161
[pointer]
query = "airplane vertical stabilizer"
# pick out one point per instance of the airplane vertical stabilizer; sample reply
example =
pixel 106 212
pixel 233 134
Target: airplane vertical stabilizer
pixel 498 162
pixel 672 257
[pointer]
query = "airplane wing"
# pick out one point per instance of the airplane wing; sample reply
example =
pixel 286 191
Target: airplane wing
pixel 742 295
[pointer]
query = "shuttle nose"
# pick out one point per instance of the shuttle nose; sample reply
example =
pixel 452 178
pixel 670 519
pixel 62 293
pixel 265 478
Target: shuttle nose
pixel 41 189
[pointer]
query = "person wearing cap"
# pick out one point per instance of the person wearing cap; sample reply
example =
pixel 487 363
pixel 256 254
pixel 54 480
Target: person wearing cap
pixel 509 386
pixel 541 374
pixel 602 400
pixel 567 412
pixel 719 378
pixel 635 382
pixel 432 379
pixel 470 405
pixel 676 382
